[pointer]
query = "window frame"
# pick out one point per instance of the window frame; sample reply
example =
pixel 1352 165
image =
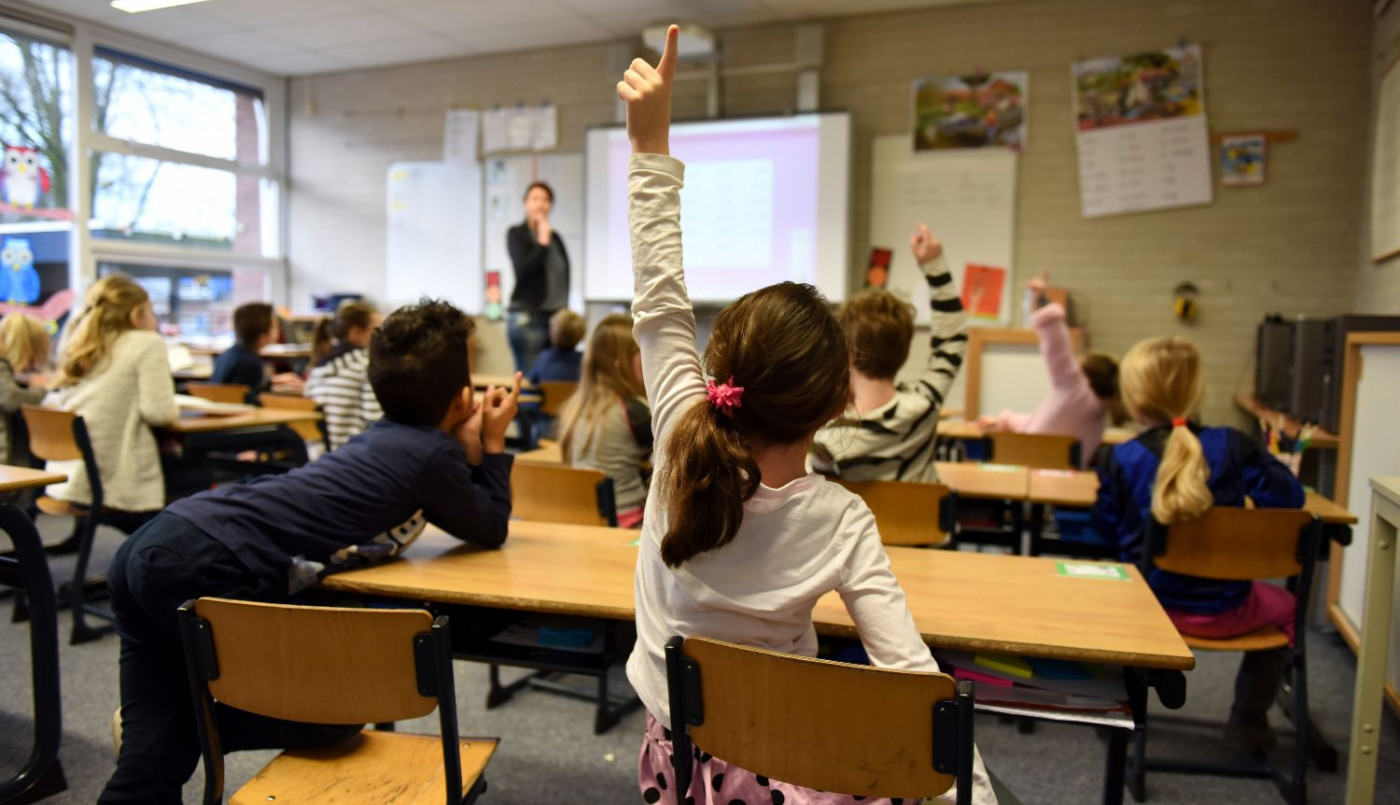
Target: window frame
pixel 83 40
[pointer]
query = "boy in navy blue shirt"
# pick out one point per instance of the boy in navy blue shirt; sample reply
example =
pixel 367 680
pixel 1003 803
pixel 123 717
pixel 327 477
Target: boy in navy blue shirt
pixel 254 327
pixel 437 457
pixel 561 360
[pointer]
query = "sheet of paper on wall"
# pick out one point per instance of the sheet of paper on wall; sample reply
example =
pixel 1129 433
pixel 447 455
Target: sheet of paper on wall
pixel 546 128
pixel 982 288
pixel 459 135
pixel 1385 169
pixel 493 130
pixel 1141 132
pixel 520 128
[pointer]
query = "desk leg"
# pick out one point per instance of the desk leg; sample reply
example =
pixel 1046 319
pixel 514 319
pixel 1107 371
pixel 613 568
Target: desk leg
pixel 1037 529
pixel 1117 763
pixel 1371 659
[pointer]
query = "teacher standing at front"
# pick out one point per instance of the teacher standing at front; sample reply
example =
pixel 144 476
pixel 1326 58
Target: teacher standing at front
pixel 541 277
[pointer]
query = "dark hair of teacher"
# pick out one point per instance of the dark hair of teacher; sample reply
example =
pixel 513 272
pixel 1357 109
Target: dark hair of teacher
pixel 541 276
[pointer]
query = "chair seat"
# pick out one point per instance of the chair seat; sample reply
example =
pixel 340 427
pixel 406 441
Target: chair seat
pixel 373 767
pixel 60 508
pixel 1260 639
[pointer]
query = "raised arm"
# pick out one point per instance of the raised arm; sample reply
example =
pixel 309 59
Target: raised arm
pixel 948 325
pixel 664 320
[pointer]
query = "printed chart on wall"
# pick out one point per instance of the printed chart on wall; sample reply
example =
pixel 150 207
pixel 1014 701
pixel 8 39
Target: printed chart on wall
pixel 506 181
pixel 1385 169
pixel 1141 132
pixel 967 198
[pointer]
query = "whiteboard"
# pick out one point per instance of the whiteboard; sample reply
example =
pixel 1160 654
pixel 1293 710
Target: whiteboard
pixel 506 180
pixel 1385 169
pixel 434 233
pixel 966 197
pixel 1013 377
pixel 1375 450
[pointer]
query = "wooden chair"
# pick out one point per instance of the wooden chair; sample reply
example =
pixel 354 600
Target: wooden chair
pixel 311 431
pixel 1245 544
pixel 885 733
pixel 326 665
pixel 909 513
pixel 1041 451
pixel 56 435
pixel 561 494
pixel 219 392
pixel 554 394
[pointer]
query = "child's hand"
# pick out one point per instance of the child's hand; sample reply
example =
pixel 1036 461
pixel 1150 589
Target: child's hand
pixel 1037 286
pixel 498 407
pixel 647 93
pixel 926 247
pixel 469 435
pixel 987 422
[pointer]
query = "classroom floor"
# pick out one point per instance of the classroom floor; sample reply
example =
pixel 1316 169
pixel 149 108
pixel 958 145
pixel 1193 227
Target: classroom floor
pixel 549 753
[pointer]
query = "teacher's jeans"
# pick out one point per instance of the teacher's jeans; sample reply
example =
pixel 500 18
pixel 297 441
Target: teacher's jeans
pixel 528 334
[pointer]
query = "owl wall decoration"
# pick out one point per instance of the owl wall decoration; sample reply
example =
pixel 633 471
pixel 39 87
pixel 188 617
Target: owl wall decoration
pixel 25 180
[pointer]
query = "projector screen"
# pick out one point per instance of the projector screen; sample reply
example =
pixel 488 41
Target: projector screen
pixel 765 200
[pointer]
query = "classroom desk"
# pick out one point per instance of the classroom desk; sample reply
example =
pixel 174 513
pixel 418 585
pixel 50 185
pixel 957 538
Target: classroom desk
pixel 253 418
pixel 987 481
pixel 1374 642
pixel 968 430
pixel 261 429
pixel 959 600
pixel 271 352
pixel 24 566
pixel 198 373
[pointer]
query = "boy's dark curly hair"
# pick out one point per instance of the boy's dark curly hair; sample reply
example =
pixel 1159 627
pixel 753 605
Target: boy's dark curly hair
pixel 418 361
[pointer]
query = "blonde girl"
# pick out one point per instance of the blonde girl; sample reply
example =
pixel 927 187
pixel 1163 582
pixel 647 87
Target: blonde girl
pixel 339 381
pixel 1176 470
pixel 739 541
pixel 24 350
pixel 115 373
pixel 606 425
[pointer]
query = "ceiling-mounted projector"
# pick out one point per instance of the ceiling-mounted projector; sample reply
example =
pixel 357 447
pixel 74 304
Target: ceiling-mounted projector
pixel 695 40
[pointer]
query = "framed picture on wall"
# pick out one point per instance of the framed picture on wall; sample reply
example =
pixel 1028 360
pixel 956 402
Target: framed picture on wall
pixel 1243 160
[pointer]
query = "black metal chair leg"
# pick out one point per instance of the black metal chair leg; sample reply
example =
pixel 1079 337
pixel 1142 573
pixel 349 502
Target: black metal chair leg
pixel 82 632
pixel 1137 767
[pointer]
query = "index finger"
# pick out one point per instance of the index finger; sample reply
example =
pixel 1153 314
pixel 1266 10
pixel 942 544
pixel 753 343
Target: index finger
pixel 515 393
pixel 923 230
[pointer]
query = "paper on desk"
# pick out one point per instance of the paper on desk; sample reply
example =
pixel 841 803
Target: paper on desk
pixel 1119 719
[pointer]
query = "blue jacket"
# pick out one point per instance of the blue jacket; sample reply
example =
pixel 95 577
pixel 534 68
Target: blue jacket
pixel 557 364
pixel 1239 468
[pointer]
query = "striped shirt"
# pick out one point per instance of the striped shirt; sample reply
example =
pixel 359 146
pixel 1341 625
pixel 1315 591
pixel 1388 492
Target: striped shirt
pixel 895 442
pixel 340 385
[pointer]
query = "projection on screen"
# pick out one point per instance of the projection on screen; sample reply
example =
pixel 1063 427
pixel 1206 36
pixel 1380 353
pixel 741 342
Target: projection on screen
pixel 765 200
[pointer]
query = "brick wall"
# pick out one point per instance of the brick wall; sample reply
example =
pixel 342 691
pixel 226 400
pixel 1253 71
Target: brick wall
pixel 1292 246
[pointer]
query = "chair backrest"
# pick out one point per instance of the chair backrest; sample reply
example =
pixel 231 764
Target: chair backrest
pixel 322 665
pixel 908 513
pixel 554 394
pixel 219 392
pixel 1236 544
pixel 560 494
pixel 51 433
pixel 1043 451
pixel 878 732
pixel 310 430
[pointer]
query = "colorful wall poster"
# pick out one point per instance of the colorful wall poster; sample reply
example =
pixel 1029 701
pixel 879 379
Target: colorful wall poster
pixel 982 289
pixel 1141 132
pixel 1242 160
pixel 970 111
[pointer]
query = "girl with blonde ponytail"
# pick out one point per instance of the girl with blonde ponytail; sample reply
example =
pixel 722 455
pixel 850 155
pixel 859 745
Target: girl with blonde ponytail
pixel 1174 471
pixel 115 373
pixel 739 539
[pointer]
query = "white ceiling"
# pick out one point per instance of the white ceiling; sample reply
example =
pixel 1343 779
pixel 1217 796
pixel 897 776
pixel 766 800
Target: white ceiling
pixel 297 37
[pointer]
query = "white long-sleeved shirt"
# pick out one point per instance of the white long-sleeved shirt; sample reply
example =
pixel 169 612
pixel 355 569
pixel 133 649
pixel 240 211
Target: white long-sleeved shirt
pixel 120 402
pixel 795 544
pixel 895 441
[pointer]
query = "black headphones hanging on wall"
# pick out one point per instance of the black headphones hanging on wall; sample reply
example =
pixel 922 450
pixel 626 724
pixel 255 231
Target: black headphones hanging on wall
pixel 1184 303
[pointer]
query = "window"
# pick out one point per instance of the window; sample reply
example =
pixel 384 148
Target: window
pixel 194 302
pixel 180 158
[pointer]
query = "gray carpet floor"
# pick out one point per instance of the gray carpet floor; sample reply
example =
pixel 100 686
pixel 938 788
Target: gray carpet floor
pixel 549 753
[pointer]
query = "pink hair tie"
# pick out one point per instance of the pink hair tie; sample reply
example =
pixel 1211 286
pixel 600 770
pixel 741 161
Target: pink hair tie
pixel 726 396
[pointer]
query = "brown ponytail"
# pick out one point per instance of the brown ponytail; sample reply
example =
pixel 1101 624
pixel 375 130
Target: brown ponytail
pixel 783 346
pixel 335 328
pixel 1101 370
pixel 1161 383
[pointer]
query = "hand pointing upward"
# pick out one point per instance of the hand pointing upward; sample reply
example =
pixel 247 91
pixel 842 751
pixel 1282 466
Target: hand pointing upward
pixel 647 92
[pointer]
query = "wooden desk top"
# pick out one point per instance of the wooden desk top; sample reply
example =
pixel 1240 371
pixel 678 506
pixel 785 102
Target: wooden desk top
pixel 15 478
pixel 966 430
pixel 995 481
pixel 271 352
pixel 200 371
pixel 547 453
pixel 1321 440
pixel 967 601
pixel 256 417
pixel 1078 489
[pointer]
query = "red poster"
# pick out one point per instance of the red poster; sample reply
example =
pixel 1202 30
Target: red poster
pixel 982 289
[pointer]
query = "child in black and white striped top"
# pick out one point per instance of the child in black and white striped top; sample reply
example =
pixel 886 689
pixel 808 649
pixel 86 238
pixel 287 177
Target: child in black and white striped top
pixel 339 383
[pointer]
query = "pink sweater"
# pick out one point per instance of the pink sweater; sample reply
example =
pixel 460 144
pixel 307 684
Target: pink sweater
pixel 1072 409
